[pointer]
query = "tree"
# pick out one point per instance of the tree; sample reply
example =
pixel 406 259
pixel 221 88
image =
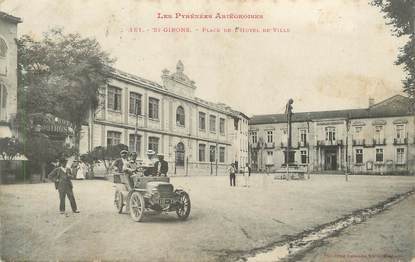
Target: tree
pixel 106 154
pixel 10 148
pixel 61 74
pixel 42 150
pixel 401 15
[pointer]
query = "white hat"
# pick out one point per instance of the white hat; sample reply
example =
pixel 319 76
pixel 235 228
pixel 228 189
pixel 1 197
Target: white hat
pixel 150 152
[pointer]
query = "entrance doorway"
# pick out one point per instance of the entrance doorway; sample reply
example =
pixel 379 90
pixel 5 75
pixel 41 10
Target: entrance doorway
pixel 180 155
pixel 330 159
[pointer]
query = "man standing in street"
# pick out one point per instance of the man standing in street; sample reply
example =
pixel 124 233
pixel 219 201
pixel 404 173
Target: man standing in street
pixel 232 174
pixel 62 177
pixel 161 166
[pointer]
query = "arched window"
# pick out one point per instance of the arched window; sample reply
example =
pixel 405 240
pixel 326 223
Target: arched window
pixel 180 116
pixel 3 48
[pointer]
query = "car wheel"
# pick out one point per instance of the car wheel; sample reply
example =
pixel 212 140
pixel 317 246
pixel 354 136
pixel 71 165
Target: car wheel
pixel 183 209
pixel 118 201
pixel 137 206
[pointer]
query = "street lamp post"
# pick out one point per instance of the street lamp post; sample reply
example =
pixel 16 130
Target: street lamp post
pixel 288 111
pixel 175 149
pixel 347 147
pixel 216 158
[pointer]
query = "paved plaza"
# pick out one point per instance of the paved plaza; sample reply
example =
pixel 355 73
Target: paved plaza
pixel 224 220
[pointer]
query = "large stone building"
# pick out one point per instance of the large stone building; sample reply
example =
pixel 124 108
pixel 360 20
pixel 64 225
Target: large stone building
pixel 377 139
pixel 8 72
pixel 195 136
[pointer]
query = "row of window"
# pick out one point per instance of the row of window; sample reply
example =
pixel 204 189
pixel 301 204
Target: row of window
pixel 400 155
pixel 379 131
pixel 114 138
pixel 330 133
pixel 135 107
pixel 212 153
pixel 212 123
pixel 270 136
pixel 303 156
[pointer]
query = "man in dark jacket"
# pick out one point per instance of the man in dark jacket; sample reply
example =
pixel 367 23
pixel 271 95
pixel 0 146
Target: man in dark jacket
pixel 62 177
pixel 161 166
pixel 123 165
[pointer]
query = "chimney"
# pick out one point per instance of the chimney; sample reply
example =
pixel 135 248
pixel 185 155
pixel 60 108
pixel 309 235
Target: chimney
pixel 371 101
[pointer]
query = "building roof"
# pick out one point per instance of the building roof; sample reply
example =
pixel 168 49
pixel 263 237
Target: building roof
pixel 13 19
pixel 122 75
pixel 134 78
pixel 397 105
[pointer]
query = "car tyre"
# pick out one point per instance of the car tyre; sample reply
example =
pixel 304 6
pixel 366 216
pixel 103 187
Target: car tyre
pixel 137 206
pixel 183 210
pixel 119 201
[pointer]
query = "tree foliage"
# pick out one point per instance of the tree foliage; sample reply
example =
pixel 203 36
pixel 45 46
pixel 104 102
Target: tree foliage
pixel 10 148
pixel 105 154
pixel 401 15
pixel 61 74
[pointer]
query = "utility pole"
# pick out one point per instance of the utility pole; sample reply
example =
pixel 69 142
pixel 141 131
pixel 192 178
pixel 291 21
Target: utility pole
pixel 136 126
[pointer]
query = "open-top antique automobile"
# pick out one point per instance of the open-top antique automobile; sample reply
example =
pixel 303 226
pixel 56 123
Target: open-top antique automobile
pixel 149 193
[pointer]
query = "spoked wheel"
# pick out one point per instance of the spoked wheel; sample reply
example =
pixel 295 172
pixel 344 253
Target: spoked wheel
pixel 137 206
pixel 183 210
pixel 118 201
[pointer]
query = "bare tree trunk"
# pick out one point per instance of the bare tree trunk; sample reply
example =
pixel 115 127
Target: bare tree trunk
pixel 77 135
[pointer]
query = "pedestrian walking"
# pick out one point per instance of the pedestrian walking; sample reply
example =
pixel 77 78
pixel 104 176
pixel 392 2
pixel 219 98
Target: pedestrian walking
pixel 232 176
pixel 81 170
pixel 247 174
pixel 62 177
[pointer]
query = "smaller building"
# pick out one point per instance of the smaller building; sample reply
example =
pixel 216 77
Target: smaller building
pixel 378 139
pixel 8 72
pixel 240 140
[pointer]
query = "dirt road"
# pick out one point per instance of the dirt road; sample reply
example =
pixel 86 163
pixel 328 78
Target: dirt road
pixel 223 221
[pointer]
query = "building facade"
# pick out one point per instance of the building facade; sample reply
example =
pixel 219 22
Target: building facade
pixel 8 72
pixel 240 140
pixel 379 139
pixel 195 136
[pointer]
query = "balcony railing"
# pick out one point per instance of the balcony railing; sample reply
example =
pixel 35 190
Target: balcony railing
pixel 400 141
pixel 379 141
pixel 255 145
pixel 270 145
pixel 359 142
pixel 338 142
pixel 302 144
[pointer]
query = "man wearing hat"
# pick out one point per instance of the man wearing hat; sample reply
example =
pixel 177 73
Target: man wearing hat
pixel 123 165
pixel 149 163
pixel 161 166
pixel 133 161
pixel 122 162
pixel 62 177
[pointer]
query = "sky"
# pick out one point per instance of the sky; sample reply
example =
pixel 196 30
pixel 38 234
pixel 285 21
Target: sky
pixel 336 54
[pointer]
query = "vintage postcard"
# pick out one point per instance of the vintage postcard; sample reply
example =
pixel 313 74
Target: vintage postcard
pixel 207 130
